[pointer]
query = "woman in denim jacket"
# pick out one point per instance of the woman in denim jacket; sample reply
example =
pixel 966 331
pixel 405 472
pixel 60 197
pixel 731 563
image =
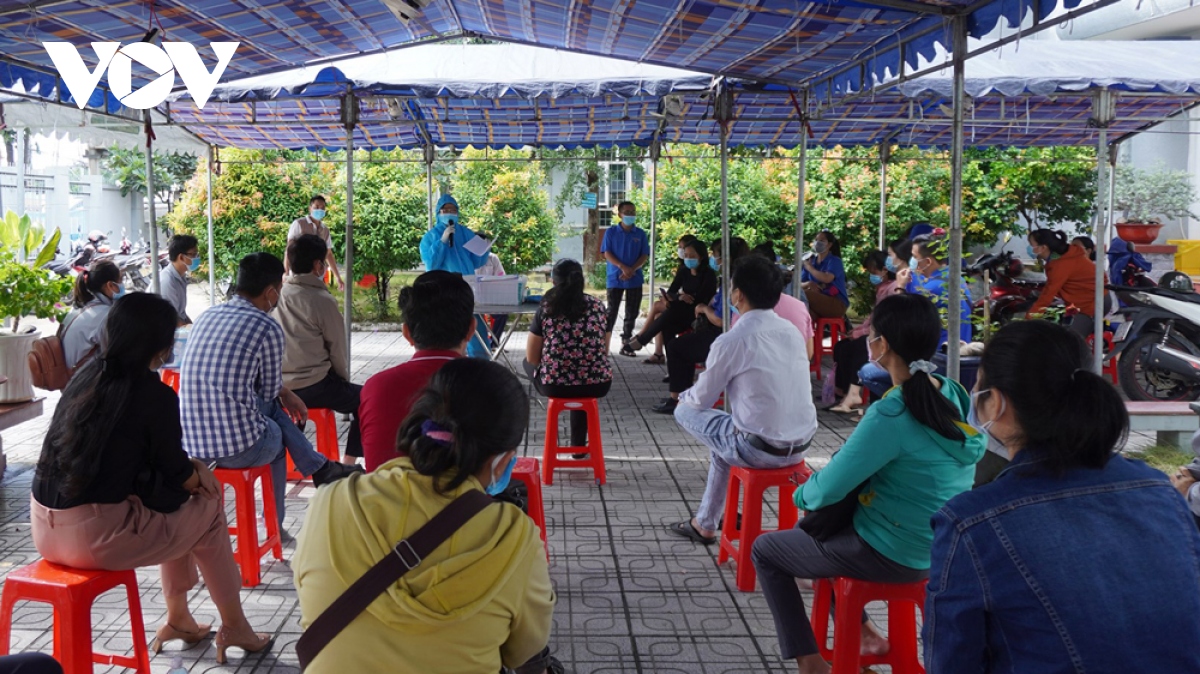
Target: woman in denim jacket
pixel 1075 559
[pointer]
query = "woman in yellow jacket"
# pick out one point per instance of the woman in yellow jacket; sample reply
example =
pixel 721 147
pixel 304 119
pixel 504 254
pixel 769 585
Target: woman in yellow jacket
pixel 483 598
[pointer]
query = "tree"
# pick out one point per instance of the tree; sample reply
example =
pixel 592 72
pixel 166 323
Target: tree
pixel 507 200
pixel 1045 186
pixel 389 218
pixel 126 168
pixel 256 196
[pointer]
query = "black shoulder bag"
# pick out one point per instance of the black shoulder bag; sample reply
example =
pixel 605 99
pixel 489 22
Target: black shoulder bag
pixel 404 557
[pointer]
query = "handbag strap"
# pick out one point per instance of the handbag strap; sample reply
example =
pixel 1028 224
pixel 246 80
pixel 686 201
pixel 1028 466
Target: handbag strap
pixel 404 557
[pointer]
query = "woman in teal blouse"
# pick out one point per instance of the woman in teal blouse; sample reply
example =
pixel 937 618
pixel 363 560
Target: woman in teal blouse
pixel 911 453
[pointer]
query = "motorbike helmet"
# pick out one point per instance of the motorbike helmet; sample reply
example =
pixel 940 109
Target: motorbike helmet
pixel 96 236
pixel 1177 281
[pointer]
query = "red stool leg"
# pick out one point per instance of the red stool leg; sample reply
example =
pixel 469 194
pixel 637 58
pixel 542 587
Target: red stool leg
pixel 550 453
pixel 822 600
pixel 847 627
pixel 902 635
pixel 752 506
pixel 595 442
pixel 7 604
pixel 247 530
pixel 271 515
pixel 730 533
pixel 137 628
pixel 73 631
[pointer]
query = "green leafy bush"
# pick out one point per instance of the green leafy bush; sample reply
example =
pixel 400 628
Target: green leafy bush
pixel 25 288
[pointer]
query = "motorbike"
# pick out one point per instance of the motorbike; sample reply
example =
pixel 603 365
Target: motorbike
pixel 1012 289
pixel 1158 343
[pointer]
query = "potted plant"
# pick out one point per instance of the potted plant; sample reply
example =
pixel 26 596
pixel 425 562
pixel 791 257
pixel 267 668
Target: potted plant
pixel 1146 196
pixel 26 289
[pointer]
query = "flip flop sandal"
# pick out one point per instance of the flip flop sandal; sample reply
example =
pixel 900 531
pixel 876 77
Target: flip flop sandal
pixel 656 359
pixel 627 351
pixel 686 530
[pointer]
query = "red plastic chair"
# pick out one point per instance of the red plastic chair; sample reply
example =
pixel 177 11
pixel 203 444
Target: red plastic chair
pixel 736 542
pixel 249 551
pixel 325 425
pixel 170 378
pixel 852 596
pixel 72 592
pixel 835 326
pixel 528 472
pixel 552 458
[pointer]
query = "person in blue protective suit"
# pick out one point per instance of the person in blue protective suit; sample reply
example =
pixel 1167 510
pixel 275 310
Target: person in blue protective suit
pixel 442 249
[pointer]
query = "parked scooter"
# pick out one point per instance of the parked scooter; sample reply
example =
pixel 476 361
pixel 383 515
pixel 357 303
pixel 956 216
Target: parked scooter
pixel 1158 343
pixel 1012 289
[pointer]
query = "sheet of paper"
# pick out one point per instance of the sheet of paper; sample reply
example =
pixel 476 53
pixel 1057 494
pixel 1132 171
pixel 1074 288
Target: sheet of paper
pixel 477 246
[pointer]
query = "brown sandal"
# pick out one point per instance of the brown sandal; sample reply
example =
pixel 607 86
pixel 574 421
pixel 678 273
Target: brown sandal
pixel 656 359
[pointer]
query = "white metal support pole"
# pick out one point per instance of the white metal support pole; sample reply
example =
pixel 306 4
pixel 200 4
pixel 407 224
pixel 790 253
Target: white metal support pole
pixel 654 151
pixel 801 187
pixel 724 108
pixel 885 151
pixel 954 294
pixel 1102 116
pixel 430 152
pixel 350 119
pixel 212 255
pixel 154 285
pixel 21 168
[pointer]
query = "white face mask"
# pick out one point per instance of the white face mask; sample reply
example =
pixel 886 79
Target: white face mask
pixel 875 361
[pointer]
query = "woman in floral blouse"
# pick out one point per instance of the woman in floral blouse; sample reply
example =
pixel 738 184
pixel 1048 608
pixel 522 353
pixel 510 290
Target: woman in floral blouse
pixel 566 355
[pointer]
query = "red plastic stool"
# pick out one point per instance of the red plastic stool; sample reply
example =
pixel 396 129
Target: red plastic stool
pixel 527 471
pixel 836 326
pixel 852 596
pixel 171 378
pixel 249 552
pixel 72 592
pixel 325 424
pixel 736 542
pixel 1109 367
pixel 594 449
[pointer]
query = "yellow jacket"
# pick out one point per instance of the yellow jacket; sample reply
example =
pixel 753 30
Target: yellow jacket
pixel 482 599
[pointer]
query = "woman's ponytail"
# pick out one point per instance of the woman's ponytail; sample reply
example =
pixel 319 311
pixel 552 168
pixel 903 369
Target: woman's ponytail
pixel 91 281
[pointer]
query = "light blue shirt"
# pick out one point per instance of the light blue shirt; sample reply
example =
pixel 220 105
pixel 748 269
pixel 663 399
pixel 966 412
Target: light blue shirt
pixel 438 256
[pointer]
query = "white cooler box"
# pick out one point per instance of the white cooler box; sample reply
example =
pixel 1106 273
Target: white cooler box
pixel 504 290
pixel 181 338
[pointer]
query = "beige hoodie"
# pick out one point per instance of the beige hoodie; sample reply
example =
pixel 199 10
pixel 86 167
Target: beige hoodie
pixel 314 329
pixel 480 600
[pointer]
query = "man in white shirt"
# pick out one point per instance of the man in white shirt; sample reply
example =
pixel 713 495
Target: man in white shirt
pixel 314 223
pixel 762 366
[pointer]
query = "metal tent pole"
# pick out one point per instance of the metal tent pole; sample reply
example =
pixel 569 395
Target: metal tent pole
pixel 350 119
pixel 884 152
pixel 954 294
pixel 21 169
pixel 154 284
pixel 212 255
pixel 801 187
pixel 1102 115
pixel 429 155
pixel 724 109
pixel 654 152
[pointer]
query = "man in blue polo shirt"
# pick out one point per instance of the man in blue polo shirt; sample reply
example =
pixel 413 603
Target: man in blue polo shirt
pixel 627 248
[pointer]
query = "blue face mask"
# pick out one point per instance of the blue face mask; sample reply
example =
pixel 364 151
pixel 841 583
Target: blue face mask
pixel 973 416
pixel 890 264
pixel 876 279
pixel 628 220
pixel 912 264
pixel 1029 249
pixel 318 214
pixel 712 262
pixel 691 263
pixel 499 484
pixel 447 219
pixel 120 291
pixel 194 264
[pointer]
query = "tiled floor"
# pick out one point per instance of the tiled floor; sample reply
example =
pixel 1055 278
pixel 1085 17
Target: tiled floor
pixel 631 597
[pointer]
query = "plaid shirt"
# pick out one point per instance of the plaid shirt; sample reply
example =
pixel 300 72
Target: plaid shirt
pixel 234 358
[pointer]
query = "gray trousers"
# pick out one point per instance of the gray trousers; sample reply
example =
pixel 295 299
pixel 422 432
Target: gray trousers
pixel 781 557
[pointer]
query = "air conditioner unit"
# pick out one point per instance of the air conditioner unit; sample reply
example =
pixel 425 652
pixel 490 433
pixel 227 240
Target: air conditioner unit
pixel 406 10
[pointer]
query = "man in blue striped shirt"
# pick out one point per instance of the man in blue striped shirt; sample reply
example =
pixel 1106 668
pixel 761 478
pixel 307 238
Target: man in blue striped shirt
pixel 234 406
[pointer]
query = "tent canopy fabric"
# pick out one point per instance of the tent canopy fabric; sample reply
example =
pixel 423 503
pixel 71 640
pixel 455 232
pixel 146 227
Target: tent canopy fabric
pixel 766 40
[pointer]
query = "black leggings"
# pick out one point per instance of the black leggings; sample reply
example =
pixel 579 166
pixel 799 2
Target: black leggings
pixel 684 353
pixel 849 355
pixel 578 419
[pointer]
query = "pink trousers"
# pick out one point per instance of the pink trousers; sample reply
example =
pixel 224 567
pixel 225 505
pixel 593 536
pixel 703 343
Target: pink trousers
pixel 126 535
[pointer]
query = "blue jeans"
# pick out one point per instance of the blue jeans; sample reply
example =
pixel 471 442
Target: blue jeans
pixel 875 379
pixel 727 446
pixel 281 437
